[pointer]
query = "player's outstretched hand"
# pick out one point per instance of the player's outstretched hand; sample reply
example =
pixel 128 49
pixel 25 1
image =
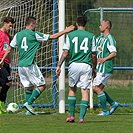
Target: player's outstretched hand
pixel 101 60
pixel 70 28
pixel 58 71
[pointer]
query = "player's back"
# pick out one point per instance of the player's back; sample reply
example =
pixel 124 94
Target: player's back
pixel 27 46
pixel 81 34
pixel 28 36
pixel 80 46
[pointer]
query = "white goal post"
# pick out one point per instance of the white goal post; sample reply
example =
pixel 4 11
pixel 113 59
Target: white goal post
pixel 61 42
pixel 49 13
pixel 46 13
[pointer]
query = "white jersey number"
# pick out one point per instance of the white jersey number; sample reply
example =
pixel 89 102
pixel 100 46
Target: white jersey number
pixel 24 44
pixel 83 45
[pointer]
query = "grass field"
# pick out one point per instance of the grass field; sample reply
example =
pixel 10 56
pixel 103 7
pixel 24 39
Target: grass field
pixel 55 123
pixel 119 122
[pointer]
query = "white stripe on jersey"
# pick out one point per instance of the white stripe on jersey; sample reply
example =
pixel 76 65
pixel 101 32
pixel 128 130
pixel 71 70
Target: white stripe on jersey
pixel 93 44
pixel 66 45
pixel 111 46
pixel 14 42
pixel 42 39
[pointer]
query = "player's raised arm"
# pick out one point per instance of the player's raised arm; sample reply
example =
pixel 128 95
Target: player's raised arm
pixel 68 29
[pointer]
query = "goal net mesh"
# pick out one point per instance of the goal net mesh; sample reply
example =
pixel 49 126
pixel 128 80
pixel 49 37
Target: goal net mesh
pixel 43 10
pixel 119 86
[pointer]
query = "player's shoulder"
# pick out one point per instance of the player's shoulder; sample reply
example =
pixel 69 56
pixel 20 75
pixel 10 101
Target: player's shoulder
pixel 72 32
pixel 26 32
pixel 1 33
pixel 100 37
pixel 37 32
pixel 110 36
pixel 81 32
pixel 22 31
pixel 90 33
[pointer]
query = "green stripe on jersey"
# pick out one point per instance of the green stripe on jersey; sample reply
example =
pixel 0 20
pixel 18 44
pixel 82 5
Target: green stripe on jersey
pixel 105 45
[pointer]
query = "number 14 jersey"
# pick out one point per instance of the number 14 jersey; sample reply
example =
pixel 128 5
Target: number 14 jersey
pixel 80 44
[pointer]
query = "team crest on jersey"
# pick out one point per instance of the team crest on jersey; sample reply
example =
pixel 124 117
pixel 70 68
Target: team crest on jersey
pixel 5 46
pixel 99 48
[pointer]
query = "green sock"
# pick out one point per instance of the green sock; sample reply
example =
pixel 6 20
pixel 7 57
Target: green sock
pixel 35 94
pixel 28 93
pixel 109 99
pixel 83 108
pixel 72 102
pixel 102 99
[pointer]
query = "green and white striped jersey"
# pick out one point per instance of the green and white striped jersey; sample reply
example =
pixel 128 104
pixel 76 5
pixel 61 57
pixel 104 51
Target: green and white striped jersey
pixel 105 46
pixel 28 42
pixel 80 44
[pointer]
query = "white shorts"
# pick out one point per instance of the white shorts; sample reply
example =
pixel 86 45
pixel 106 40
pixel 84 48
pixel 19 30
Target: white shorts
pixel 101 78
pixel 31 76
pixel 80 74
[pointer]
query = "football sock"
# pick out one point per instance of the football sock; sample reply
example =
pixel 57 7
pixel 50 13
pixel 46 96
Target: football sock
pixel 72 102
pixel 3 93
pixel 83 108
pixel 2 97
pixel 102 100
pixel 109 99
pixel 28 93
pixel 2 108
pixel 35 94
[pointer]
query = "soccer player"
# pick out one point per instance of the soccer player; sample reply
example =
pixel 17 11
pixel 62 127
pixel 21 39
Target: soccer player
pixel 28 41
pixel 5 78
pixel 80 45
pixel 106 51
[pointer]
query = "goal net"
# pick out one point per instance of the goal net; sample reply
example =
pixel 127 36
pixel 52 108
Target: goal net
pixel 120 85
pixel 45 12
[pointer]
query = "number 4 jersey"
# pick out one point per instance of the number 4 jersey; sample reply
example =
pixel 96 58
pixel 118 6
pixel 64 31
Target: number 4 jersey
pixel 80 44
pixel 28 42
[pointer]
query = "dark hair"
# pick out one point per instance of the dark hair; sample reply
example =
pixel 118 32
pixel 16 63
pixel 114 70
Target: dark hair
pixel 8 20
pixel 30 20
pixel 81 20
pixel 108 22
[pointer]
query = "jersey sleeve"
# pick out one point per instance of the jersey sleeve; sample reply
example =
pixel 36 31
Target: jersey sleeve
pixel 66 45
pixel 93 44
pixel 14 42
pixel 42 37
pixel 111 45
